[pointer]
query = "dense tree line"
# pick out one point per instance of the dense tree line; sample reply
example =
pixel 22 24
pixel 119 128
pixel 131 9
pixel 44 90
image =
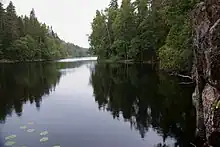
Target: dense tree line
pixel 145 30
pixel 25 38
pixel 75 50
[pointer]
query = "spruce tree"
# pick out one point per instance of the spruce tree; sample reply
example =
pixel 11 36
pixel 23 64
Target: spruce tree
pixel 111 16
pixel 21 27
pixel 2 25
pixel 113 4
pixel 11 29
pixel 99 40
pixel 25 38
pixel 125 29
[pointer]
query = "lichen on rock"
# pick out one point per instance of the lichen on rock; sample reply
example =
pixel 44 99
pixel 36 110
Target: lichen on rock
pixel 206 24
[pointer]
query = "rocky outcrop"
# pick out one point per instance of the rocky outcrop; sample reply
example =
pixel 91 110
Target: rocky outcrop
pixel 206 73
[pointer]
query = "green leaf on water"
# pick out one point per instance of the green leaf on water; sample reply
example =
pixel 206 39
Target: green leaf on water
pixel 44 139
pixel 30 130
pixel 31 123
pixel 10 137
pixel 43 133
pixel 56 146
pixel 10 143
pixel 218 105
pixel 23 127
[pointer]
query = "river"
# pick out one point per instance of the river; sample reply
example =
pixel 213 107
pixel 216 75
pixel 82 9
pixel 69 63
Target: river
pixel 82 103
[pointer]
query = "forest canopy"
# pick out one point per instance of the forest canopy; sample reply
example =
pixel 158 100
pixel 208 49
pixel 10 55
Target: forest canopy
pixel 24 38
pixel 145 30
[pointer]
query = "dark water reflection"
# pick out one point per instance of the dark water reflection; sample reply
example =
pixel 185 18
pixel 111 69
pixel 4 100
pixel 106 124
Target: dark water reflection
pixel 20 83
pixel 147 100
pixel 96 105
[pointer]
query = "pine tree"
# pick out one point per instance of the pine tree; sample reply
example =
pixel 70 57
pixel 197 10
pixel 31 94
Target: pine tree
pixel 99 40
pixel 113 4
pixel 25 38
pixel 111 16
pixel 11 29
pixel 32 14
pixel 34 26
pixel 125 29
pixel 21 27
pixel 2 20
pixel 143 8
pixel 2 25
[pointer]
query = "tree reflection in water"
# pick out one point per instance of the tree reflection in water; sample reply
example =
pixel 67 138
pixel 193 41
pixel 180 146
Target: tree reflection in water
pixel 22 83
pixel 146 99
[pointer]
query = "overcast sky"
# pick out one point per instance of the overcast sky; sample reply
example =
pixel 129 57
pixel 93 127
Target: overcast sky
pixel 70 18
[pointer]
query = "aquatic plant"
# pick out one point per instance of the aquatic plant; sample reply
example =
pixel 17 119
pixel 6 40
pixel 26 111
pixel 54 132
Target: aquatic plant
pixel 44 139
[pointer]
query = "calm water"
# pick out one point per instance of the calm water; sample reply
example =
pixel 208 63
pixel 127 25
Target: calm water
pixel 85 104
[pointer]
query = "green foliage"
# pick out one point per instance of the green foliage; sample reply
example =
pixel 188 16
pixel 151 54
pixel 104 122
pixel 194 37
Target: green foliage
pixel 145 30
pixel 170 58
pixel 176 54
pixel 98 38
pixel 25 38
pixel 22 49
pixel 75 50
pixel 11 26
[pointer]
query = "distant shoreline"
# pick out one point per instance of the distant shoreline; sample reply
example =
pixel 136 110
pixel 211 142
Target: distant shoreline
pixel 19 61
pixel 38 60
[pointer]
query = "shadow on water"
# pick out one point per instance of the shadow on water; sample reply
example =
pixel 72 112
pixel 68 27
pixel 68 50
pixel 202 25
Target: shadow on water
pixel 29 82
pixel 147 100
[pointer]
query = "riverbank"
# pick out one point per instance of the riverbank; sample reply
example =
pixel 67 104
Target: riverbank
pixel 18 61
pixel 184 77
pixel 131 61
pixel 43 60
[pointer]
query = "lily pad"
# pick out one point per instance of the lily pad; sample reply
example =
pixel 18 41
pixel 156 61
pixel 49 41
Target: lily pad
pixel 30 130
pixel 56 146
pixel 218 105
pixel 10 137
pixel 44 139
pixel 43 133
pixel 31 123
pixel 10 143
pixel 23 127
